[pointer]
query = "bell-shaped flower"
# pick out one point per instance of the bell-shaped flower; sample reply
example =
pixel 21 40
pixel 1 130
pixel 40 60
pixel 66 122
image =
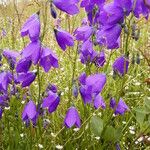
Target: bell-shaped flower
pixel 87 54
pixel 32 27
pixel 72 118
pixel 23 65
pixel 91 86
pixel 121 65
pixel 5 80
pixel 99 102
pixel 142 7
pixel 69 6
pixel 32 52
pixel 121 107
pixel 63 38
pixel 30 113
pixel 26 78
pixel 83 33
pixel 51 101
pixel 48 59
pixel 100 59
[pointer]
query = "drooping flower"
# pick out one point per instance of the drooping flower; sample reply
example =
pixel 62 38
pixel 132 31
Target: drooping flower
pixel 100 59
pixel 142 7
pixel 30 113
pixel 121 107
pixel 32 52
pixel 99 102
pixel 109 36
pixel 48 59
pixel 11 56
pixel 53 11
pixel 63 38
pixel 83 33
pixel 69 6
pixel 26 78
pixel 91 86
pixel 51 101
pixel 5 80
pixel 72 118
pixel 87 54
pixel 51 87
pixel 112 103
pixel 23 65
pixel 32 27
pixel 121 65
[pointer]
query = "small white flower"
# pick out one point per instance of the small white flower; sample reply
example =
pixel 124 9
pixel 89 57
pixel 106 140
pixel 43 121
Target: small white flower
pixel 22 102
pixel 132 132
pixel 97 137
pixel 53 134
pixel 59 147
pixel 40 146
pixel 132 128
pixel 22 135
pixel 62 93
pixel 136 142
pixel 76 129
pixel 148 139
pixel 124 122
pixel 7 108
pixel 140 139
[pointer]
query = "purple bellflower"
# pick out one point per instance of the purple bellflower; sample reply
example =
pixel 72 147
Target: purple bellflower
pixel 5 80
pixel 142 7
pixel 30 113
pixel 72 118
pixel 32 27
pixel 69 6
pixel 48 59
pixel 83 33
pixel 63 38
pixel 119 108
pixel 87 54
pixel 99 102
pixel 23 65
pixel 26 78
pixel 121 65
pixel 11 57
pixel 51 101
pixel 32 52
pixel 91 86
pixel 100 59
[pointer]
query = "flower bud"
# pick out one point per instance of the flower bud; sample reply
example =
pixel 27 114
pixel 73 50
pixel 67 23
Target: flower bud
pixel 53 11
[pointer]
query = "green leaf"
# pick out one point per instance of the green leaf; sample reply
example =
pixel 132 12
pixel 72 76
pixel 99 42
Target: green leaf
pixel 96 125
pixel 112 134
pixel 142 110
pixel 147 103
pixel 109 133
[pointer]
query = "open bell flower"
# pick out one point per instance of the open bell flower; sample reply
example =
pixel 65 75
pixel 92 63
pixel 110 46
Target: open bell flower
pixel 91 86
pixel 32 52
pixel 26 79
pixel 63 38
pixel 48 59
pixel 30 113
pixel 51 101
pixel 32 27
pixel 99 102
pixel 23 65
pixel 69 6
pixel 72 118
pixel 121 65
